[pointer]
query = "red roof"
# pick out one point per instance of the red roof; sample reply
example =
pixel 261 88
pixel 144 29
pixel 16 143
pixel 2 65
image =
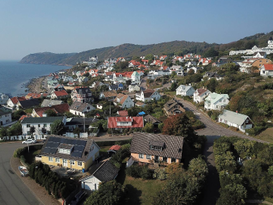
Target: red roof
pixel 23 117
pixel 268 66
pixel 115 147
pixel 136 122
pixel 61 93
pixel 15 100
pixel 123 113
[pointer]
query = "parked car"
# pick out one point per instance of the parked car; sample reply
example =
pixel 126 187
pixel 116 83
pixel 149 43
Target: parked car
pixel 29 141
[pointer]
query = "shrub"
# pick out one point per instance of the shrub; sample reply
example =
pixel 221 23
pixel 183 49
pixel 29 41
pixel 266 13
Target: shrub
pixel 134 171
pixel 145 173
pixel 159 174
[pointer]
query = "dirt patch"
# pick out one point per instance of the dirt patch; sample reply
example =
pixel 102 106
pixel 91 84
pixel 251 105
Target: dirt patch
pixel 267 135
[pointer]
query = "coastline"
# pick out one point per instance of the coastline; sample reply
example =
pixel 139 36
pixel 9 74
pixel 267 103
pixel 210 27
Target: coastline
pixel 35 85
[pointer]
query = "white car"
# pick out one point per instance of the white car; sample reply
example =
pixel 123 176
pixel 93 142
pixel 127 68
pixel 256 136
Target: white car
pixel 29 141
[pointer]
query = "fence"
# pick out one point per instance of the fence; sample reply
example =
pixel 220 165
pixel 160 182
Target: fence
pixel 23 137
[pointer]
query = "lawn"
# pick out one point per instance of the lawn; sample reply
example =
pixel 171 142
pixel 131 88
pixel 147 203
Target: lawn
pixel 266 135
pixel 142 191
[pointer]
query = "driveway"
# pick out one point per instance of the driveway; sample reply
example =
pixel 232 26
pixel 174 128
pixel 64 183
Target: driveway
pixel 12 190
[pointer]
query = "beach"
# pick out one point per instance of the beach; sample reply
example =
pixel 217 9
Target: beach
pixel 36 85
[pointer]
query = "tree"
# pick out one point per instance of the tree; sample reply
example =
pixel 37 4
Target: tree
pixel 212 84
pixel 149 127
pixel 173 86
pixel 174 168
pixel 232 194
pixel 57 127
pixel 50 113
pixel 109 193
pixel 3 132
pixel 179 125
pixel 17 114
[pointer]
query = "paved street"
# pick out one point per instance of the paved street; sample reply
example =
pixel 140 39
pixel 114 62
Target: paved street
pixel 12 190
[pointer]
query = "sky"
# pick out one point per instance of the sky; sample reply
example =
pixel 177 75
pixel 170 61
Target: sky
pixel 67 26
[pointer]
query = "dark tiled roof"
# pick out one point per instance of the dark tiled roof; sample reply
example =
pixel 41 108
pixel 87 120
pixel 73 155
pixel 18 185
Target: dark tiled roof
pixel 173 145
pixel 150 118
pixel 106 172
pixel 80 121
pixel 148 93
pixel 41 119
pixel 4 111
pixel 29 103
pixel 80 151
pixel 172 104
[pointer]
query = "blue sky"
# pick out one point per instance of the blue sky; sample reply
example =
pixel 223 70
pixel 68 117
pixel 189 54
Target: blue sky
pixel 63 26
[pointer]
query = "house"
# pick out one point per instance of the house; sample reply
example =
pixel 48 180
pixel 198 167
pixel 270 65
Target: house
pixel 83 124
pixel 211 75
pixel 173 107
pixel 113 149
pixel 122 113
pixel 234 119
pixel 200 94
pixel 123 101
pixel 12 102
pixel 108 95
pixel 195 69
pixel 3 98
pixel 148 95
pixel 82 94
pixel 185 90
pixel 151 119
pixel 5 116
pixel 113 87
pixel 215 101
pixel 49 103
pixel 119 123
pixel 266 70
pixel 78 108
pixel 134 88
pixel 162 58
pixel 148 148
pixel 69 152
pixel 133 63
pixel 35 95
pixel 104 173
pixel 28 103
pixel 59 95
pixel 39 123
pixel 58 109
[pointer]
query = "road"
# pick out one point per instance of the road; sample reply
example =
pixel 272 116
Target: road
pixel 12 190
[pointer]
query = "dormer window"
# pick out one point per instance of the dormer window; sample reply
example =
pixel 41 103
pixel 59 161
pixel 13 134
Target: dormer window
pixel 156 145
pixel 65 148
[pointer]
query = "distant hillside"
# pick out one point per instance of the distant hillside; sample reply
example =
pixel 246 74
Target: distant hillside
pixel 130 50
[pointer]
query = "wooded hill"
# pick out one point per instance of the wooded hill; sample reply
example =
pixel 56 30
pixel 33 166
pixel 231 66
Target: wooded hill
pixel 130 50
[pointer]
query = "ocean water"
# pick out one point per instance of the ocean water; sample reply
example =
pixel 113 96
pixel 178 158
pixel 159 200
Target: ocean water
pixel 14 76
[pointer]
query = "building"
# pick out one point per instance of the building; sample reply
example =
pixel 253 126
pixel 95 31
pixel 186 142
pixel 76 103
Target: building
pixel 234 119
pixel 39 123
pixel 3 98
pixel 266 70
pixel 200 94
pixel 12 102
pixel 173 107
pixel 149 148
pixel 5 116
pixel 59 95
pixel 58 109
pixel 108 95
pixel 119 123
pixel 148 95
pixel 185 90
pixel 68 152
pixel 82 94
pixel 78 108
pixel 216 101
pixel 104 173
pixel 123 101
pixel 48 102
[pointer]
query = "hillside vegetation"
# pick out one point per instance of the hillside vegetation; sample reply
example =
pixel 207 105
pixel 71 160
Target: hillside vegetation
pixel 131 50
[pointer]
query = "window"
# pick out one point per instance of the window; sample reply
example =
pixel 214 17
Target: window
pixel 164 159
pixel 38 125
pixel 45 125
pixel 72 162
pixel 57 160
pixel 28 125
pixel 173 160
pixel 140 156
pixel 148 156
pixel 79 163
pixel 50 159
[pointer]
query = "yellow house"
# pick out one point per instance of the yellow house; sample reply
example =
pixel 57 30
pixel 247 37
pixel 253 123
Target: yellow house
pixel 69 152
pixel 148 148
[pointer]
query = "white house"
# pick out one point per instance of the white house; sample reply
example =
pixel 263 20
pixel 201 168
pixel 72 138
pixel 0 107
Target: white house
pixel 234 119
pixel 3 98
pixel 200 94
pixel 39 123
pixel 123 101
pixel 105 172
pixel 134 88
pixel 185 90
pixel 148 95
pixel 216 101
pixel 266 70
pixel 78 108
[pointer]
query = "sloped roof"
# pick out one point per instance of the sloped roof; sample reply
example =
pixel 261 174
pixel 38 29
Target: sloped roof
pixel 169 106
pixel 123 113
pixel 4 111
pixel 214 97
pixel 147 93
pixel 79 106
pixel 200 91
pixel 136 122
pixel 150 118
pixel 60 93
pixel 40 119
pixel 173 145
pixel 114 147
pixel 268 66
pixel 61 108
pixel 29 103
pixel 111 93
pixel 15 100
pixel 233 117
pixel 184 87
pixel 47 102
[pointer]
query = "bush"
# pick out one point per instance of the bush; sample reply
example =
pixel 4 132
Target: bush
pixel 134 171
pixel 159 174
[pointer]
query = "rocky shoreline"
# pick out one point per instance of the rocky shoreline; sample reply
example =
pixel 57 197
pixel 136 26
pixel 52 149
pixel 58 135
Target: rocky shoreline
pixel 35 85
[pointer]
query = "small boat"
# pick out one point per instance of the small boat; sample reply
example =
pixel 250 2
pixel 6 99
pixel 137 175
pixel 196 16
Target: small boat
pixel 23 171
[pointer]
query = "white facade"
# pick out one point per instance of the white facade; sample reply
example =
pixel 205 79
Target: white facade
pixel 134 88
pixel 82 112
pixel 199 97
pixel 185 90
pixel 124 103
pixel 5 118
pixel 267 50
pixel 141 96
pixel 3 98
pixel 91 183
pixel 216 101
pixel 266 72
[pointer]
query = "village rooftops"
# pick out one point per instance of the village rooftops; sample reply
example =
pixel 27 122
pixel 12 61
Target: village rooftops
pixel 233 117
pixel 125 122
pixel 40 120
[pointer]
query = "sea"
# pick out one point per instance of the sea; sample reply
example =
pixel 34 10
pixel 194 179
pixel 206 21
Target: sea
pixel 15 76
